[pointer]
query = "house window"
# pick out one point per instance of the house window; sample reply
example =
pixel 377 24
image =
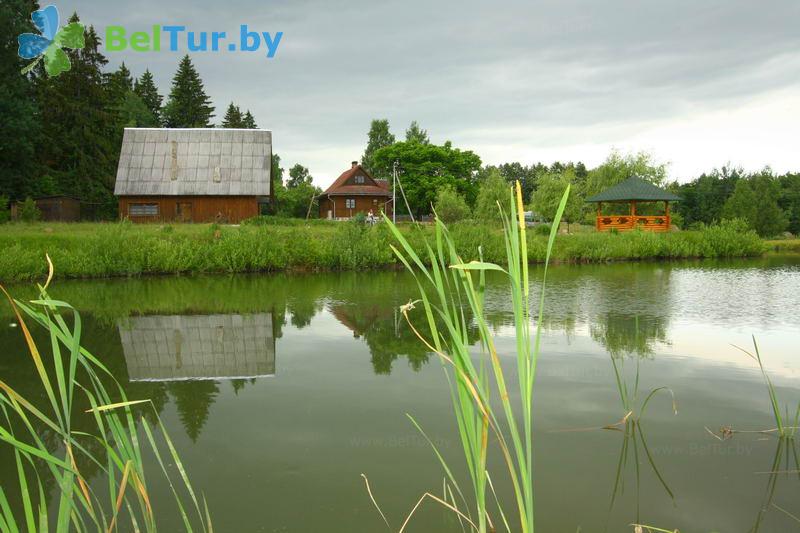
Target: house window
pixel 359 179
pixel 143 210
pixel 350 203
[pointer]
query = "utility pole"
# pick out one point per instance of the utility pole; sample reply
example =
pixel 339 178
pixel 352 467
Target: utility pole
pixel 394 193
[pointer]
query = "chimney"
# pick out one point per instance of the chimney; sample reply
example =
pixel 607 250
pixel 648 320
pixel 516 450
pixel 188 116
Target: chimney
pixel 355 164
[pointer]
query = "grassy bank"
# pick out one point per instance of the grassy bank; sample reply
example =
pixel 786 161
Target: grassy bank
pixel 784 246
pixel 124 249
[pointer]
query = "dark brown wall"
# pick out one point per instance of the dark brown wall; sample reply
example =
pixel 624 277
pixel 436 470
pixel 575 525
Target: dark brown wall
pixel 61 208
pixel 363 205
pixel 231 209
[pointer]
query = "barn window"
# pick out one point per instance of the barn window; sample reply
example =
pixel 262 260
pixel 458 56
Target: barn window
pixel 359 179
pixel 350 203
pixel 143 210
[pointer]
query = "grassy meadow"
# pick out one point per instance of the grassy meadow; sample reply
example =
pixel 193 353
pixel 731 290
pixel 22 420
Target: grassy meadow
pixel 92 250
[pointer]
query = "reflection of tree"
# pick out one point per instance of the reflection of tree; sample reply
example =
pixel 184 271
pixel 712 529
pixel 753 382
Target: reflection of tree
pixel 623 335
pixel 239 384
pixel 303 310
pixel 193 400
pixel 385 334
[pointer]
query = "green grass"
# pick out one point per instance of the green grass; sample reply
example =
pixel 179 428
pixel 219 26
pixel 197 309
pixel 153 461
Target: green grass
pixel 93 250
pixel 92 458
pixel 780 246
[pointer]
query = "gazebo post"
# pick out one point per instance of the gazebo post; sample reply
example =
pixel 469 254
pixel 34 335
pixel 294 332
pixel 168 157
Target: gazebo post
pixel 666 214
pixel 633 214
pixel 597 220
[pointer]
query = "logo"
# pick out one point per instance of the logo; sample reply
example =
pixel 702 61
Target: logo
pixel 177 38
pixel 51 43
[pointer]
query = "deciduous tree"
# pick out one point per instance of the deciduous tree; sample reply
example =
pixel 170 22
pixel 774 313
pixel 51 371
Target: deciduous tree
pixel 425 168
pixel 378 137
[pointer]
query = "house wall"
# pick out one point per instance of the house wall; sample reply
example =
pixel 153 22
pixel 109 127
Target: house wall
pixel 363 205
pixel 229 209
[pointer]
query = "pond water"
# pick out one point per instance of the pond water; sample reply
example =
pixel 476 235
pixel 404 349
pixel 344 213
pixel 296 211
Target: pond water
pixel 280 390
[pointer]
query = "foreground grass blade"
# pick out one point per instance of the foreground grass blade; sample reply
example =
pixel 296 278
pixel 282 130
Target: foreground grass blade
pixel 112 445
pixel 452 301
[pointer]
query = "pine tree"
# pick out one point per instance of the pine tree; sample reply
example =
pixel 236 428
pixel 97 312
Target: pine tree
pixel 379 136
pixel 188 105
pixel 233 117
pixel 80 143
pixel 248 121
pixel 416 134
pixel 145 88
pixel 119 82
pixel 20 128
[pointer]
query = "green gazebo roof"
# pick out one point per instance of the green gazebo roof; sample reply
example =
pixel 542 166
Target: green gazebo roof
pixel 634 188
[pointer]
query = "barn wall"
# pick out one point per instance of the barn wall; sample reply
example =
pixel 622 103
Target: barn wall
pixel 363 205
pixel 230 209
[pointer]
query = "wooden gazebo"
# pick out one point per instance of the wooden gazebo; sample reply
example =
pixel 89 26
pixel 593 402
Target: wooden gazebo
pixel 633 191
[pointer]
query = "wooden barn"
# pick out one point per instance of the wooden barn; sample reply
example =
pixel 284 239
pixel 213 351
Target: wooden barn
pixel 355 191
pixel 194 175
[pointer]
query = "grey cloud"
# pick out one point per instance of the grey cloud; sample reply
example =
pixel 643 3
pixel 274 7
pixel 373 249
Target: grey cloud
pixel 462 67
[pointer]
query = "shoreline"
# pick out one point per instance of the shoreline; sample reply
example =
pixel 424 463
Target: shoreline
pixel 124 250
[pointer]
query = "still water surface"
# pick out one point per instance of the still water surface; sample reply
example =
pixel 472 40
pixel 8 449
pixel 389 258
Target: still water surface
pixel 279 391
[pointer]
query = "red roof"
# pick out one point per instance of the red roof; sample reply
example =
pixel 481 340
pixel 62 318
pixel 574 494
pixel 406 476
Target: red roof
pixel 371 186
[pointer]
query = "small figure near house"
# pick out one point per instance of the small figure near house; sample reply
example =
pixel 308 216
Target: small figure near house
pixel 371 218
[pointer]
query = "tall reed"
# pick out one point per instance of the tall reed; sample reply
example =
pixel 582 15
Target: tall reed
pixel 451 293
pixel 71 376
pixel 786 427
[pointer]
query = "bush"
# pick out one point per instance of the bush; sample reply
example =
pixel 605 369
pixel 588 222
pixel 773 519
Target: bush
pixel 451 206
pixel 28 212
pixel 541 229
pixel 5 214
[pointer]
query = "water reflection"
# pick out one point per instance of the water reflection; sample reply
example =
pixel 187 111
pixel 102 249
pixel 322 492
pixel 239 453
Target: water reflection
pixel 325 417
pixel 198 347
pixel 624 335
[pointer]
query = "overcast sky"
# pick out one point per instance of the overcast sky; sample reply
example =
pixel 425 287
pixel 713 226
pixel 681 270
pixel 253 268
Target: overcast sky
pixel 698 84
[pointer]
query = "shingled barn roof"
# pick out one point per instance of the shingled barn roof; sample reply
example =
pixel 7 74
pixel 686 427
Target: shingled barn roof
pixel 194 162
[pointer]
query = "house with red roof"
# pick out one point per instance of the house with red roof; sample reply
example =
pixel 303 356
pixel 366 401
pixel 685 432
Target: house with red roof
pixel 355 191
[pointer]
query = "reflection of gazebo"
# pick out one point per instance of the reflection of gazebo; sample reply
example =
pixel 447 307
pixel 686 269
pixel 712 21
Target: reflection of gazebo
pixel 632 191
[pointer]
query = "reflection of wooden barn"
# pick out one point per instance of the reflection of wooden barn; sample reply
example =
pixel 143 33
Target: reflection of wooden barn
pixel 193 175
pixel 171 348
